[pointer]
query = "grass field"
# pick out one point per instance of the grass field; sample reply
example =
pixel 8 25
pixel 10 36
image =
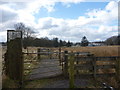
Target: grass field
pixel 97 51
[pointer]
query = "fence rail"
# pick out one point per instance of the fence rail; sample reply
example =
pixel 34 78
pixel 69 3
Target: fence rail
pixel 42 53
pixel 112 58
pixel 90 63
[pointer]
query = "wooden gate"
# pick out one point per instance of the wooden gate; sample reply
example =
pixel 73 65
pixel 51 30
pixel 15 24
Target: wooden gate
pixel 46 63
pixel 93 67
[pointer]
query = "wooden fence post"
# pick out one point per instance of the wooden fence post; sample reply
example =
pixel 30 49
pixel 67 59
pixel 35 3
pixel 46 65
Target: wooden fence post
pixel 60 56
pixel 15 60
pixel 118 71
pixel 71 71
pixel 94 66
pixel 50 54
pixel 77 62
pixel 38 54
pixel 65 71
pixel 14 56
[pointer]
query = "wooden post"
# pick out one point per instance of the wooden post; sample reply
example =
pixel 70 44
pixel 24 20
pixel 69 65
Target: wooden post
pixel 15 60
pixel 38 54
pixel 94 67
pixel 71 71
pixel 14 56
pixel 50 54
pixel 60 56
pixel 77 62
pixel 118 71
pixel 65 71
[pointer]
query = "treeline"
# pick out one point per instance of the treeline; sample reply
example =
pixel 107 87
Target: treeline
pixel 114 40
pixel 45 42
pixel 55 42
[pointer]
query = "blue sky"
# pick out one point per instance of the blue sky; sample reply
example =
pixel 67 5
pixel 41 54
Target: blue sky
pixel 70 11
pixel 65 19
pixel 75 10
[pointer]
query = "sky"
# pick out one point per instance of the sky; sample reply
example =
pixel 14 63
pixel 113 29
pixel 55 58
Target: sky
pixel 64 19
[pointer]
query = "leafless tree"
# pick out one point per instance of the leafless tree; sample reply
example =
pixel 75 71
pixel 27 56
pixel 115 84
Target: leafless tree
pixel 27 31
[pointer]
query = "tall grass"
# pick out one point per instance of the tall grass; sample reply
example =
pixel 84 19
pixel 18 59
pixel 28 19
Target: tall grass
pixel 97 51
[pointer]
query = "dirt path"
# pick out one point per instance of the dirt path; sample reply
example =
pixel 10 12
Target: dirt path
pixel 61 82
pixel 79 83
pixel 44 77
pixel 46 68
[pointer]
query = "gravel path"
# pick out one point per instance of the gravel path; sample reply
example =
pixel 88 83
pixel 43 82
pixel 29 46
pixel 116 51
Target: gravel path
pixel 79 83
pixel 50 68
pixel 46 68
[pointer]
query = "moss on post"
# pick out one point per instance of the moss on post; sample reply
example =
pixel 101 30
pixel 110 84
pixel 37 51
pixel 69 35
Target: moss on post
pixel 71 71
pixel 65 67
pixel 15 59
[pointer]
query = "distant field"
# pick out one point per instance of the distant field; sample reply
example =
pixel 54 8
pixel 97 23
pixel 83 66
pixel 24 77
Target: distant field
pixel 97 51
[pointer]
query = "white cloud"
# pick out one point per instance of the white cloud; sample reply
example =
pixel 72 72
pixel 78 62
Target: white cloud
pixel 7 14
pixel 96 25
pixel 35 6
pixel 106 16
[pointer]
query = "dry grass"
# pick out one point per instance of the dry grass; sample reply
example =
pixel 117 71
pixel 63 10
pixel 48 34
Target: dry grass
pixel 97 51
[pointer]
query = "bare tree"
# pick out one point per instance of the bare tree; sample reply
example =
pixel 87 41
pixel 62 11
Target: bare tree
pixel 27 31
pixel 20 27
